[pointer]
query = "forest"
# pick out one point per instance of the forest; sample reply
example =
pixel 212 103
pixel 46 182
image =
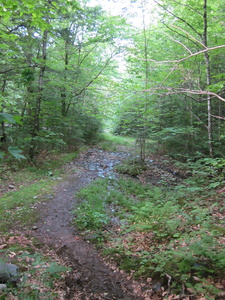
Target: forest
pixel 139 93
pixel 61 79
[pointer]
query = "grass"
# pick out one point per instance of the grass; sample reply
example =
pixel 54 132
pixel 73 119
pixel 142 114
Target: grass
pixel 43 274
pixel 19 207
pixel 132 167
pixel 117 139
pixel 155 232
pixel 32 184
pixel 108 141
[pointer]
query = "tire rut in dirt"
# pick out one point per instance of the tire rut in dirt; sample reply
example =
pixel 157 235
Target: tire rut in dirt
pixel 90 277
pixel 93 280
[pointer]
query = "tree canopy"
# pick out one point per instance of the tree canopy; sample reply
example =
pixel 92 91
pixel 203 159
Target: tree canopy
pixel 68 69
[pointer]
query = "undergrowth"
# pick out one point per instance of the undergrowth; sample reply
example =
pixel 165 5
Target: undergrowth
pixel 25 171
pixel 158 233
pixel 31 184
pixel 108 141
pixel 41 275
pixel 19 208
pixel 132 167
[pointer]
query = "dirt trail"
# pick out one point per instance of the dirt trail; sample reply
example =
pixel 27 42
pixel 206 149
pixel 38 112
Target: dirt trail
pixel 91 278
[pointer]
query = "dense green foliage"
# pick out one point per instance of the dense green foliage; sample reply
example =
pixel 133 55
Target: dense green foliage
pixel 49 61
pixel 60 80
pixel 175 80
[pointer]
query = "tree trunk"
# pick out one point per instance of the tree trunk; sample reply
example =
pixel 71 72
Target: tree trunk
pixel 37 110
pixel 64 108
pixel 3 136
pixel 143 138
pixel 208 82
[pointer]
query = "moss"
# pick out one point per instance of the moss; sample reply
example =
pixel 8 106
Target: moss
pixel 132 167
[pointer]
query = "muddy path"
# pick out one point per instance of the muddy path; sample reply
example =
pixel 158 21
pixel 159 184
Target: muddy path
pixel 91 277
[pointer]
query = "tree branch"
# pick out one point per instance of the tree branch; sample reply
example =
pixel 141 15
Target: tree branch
pixel 181 90
pixel 218 117
pixel 179 43
pixel 197 41
pixel 95 77
pixel 189 56
pixel 181 19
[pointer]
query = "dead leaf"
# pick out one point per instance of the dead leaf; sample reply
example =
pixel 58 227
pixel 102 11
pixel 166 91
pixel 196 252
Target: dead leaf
pixel 12 254
pixel 196 278
pixel 221 190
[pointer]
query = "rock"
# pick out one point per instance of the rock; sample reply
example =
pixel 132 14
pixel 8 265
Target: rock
pixel 11 187
pixel 157 287
pixel 8 273
pixel 34 227
pixel 49 196
pixel 3 286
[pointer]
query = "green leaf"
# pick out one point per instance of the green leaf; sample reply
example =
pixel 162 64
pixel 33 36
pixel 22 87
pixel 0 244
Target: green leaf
pixel 18 119
pixel 7 117
pixel 16 152
pixel 216 86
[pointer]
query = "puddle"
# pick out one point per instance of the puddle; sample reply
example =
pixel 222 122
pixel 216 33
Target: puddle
pixel 101 162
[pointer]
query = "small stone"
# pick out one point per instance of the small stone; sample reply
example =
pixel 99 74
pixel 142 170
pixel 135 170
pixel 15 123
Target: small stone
pixel 49 196
pixel 3 286
pixel 34 227
pixel 157 287
pixel 11 187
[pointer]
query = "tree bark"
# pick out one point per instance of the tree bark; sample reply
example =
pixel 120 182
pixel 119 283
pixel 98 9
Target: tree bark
pixel 4 136
pixel 36 120
pixel 142 139
pixel 64 107
pixel 208 81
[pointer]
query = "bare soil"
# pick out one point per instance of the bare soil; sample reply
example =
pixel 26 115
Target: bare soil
pixel 91 276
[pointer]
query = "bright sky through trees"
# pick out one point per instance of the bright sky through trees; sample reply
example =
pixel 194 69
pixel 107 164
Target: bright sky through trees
pixel 114 7
pixel 131 10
